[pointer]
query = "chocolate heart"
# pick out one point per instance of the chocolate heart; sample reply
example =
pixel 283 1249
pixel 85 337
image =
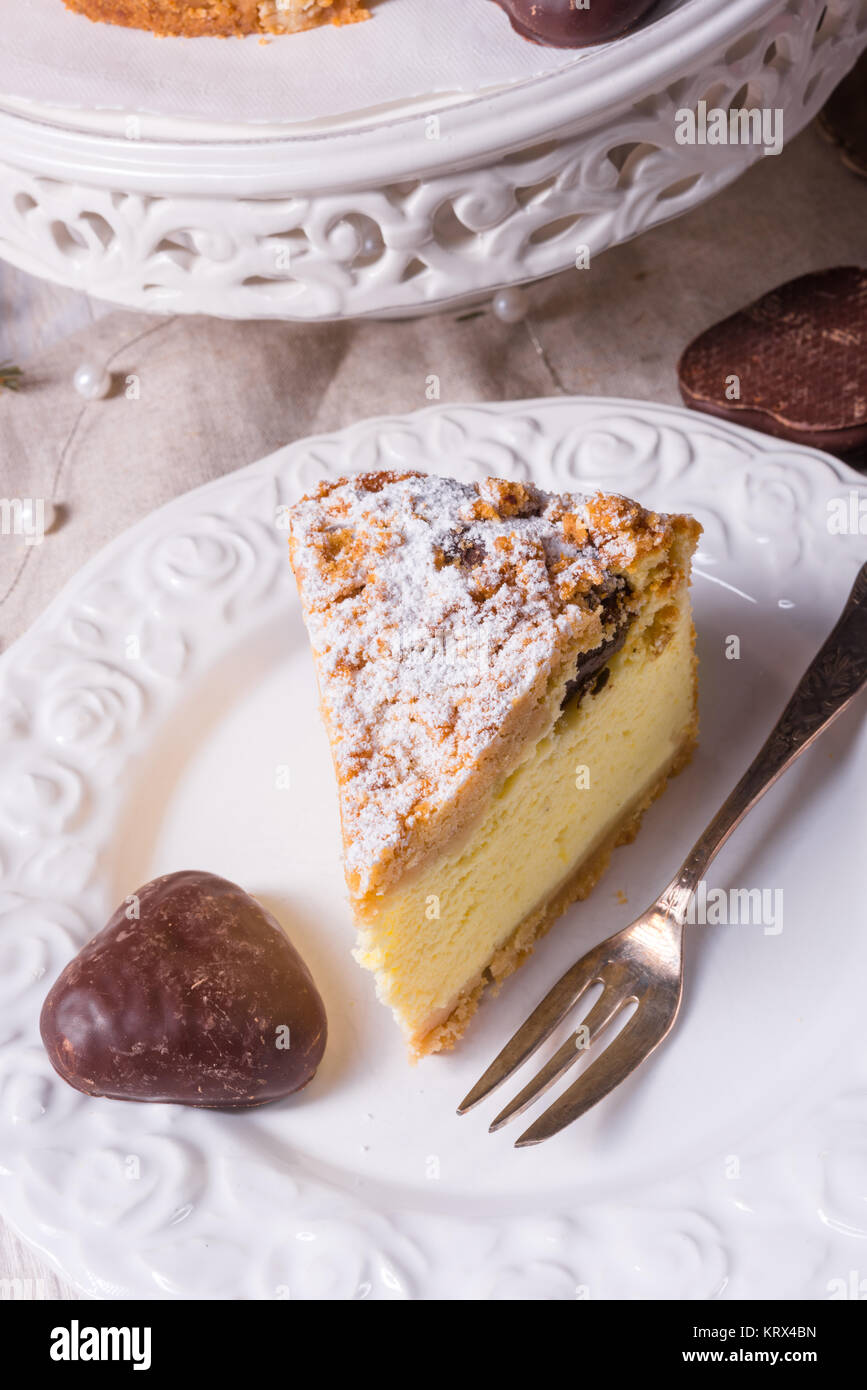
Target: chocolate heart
pixel 562 24
pixel 793 364
pixel 191 994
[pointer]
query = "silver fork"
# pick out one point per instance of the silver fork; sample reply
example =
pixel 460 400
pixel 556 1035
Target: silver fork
pixel 643 964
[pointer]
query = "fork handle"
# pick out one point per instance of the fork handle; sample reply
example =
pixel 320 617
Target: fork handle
pixel 832 680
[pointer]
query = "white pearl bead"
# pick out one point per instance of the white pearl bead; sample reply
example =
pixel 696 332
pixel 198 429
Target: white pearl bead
pixel 38 515
pixel 510 306
pixel 371 244
pixel 94 383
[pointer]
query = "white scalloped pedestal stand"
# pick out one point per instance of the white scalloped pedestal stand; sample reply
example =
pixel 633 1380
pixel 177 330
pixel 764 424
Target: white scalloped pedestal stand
pixel 377 218
pixel 732 1165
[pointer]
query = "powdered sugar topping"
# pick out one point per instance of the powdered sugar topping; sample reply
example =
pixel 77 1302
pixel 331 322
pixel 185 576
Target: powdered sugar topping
pixel 433 608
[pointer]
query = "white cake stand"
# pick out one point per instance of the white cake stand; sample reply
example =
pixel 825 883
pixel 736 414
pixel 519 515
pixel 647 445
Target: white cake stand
pixel 371 216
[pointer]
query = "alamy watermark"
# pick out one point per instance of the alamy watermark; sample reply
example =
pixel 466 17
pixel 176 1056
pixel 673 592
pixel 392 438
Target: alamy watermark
pixel 847 516
pixel 22 1290
pixel 440 648
pixel 77 1343
pixel 23 516
pixel 717 125
pixel 746 907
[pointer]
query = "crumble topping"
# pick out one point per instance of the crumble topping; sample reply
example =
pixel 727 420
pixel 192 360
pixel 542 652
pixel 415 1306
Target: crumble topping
pixel 195 18
pixel 433 608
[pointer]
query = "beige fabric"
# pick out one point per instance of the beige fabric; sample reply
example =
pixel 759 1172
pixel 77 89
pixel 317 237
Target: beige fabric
pixel 213 395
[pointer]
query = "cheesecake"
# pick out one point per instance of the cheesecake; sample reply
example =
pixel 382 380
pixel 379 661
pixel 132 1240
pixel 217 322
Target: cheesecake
pixel 507 679
pixel 221 18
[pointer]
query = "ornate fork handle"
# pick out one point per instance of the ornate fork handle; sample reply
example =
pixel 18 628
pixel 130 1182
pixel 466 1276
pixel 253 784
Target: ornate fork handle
pixel 832 680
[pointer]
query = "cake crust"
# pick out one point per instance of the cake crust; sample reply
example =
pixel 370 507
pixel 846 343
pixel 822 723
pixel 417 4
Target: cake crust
pixel 220 18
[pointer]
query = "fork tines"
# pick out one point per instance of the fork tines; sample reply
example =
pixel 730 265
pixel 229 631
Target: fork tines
pixel 624 982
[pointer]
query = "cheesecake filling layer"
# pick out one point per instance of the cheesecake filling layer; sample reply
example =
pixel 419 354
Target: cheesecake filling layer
pixel 622 727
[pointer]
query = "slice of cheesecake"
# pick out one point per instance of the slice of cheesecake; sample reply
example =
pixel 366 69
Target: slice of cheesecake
pixel 221 18
pixel 507 679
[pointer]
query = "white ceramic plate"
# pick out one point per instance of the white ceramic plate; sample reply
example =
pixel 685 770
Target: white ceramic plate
pixel 732 1164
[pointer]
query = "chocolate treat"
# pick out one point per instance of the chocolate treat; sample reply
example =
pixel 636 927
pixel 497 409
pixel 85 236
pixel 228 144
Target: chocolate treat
pixel 591 671
pixel 191 994
pixel 559 24
pixel 587 672
pixel 793 364
pixel 844 118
